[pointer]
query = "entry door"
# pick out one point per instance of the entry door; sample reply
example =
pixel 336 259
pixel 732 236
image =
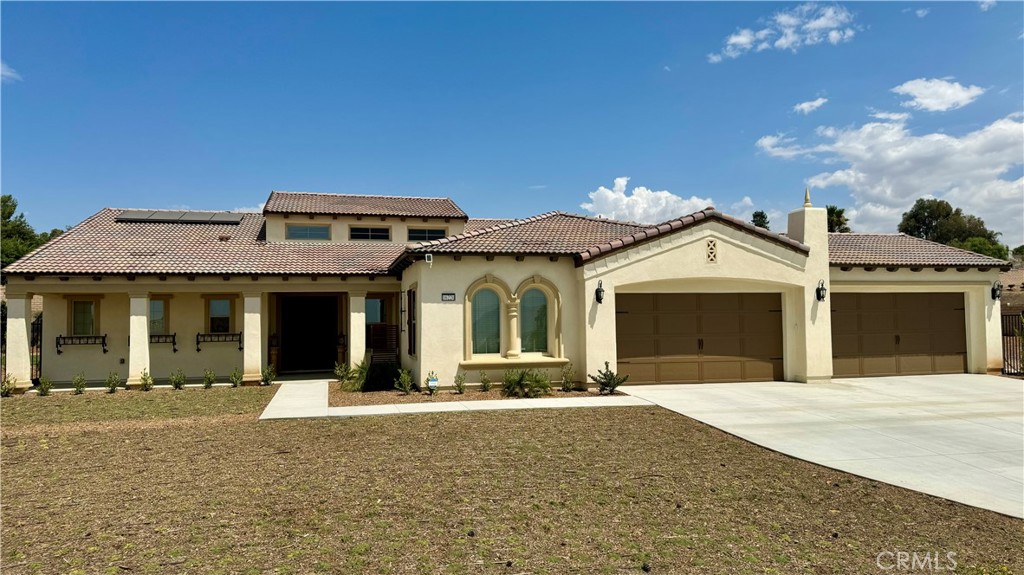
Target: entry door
pixel 309 332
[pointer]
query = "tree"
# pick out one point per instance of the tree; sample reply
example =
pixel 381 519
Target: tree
pixel 17 237
pixel 760 219
pixel 936 220
pixel 1018 252
pixel 837 222
pixel 984 247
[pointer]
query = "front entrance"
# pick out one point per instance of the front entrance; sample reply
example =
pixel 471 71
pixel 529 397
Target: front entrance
pixel 308 332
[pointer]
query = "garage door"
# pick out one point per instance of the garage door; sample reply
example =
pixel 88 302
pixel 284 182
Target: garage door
pixel 692 338
pixel 898 334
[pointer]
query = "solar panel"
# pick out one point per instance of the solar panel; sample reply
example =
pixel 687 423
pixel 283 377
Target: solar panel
pixel 134 215
pixel 179 217
pixel 195 217
pixel 226 218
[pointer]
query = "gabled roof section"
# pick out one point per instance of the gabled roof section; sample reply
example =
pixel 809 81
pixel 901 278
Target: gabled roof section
pixel 901 250
pixel 706 215
pixel 554 233
pixel 359 205
pixel 474 224
pixel 101 245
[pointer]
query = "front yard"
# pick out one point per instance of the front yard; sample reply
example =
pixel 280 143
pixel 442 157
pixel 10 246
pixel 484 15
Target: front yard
pixel 191 482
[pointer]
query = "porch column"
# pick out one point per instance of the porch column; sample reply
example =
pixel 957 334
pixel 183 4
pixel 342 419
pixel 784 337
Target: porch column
pixel 19 324
pixel 138 332
pixel 252 337
pixel 515 342
pixel 356 326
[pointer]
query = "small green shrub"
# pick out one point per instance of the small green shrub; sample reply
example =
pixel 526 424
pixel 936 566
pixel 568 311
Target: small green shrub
pixel 568 377
pixel 351 378
pixel 209 378
pixel 268 375
pixel 485 382
pixel 607 380
pixel 177 379
pixel 236 377
pixel 113 382
pixel 426 383
pixel 7 385
pixel 460 383
pixel 45 385
pixel 343 372
pixel 78 383
pixel 145 381
pixel 525 383
pixel 404 381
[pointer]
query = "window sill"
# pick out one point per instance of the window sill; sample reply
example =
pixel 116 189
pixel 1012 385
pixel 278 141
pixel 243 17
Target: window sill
pixel 507 363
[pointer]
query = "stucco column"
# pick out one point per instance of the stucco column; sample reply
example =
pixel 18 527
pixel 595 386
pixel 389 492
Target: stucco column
pixel 356 326
pixel 19 325
pixel 808 322
pixel 515 338
pixel 598 326
pixel 252 340
pixel 138 332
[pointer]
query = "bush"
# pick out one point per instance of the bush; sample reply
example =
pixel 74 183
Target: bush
pixel 568 377
pixel 460 383
pixel 45 385
pixel 113 382
pixel 485 382
pixel 525 383
pixel 268 375
pixel 177 379
pixel 78 383
pixel 607 380
pixel 7 385
pixel 404 381
pixel 236 377
pixel 209 378
pixel 352 378
pixel 426 383
pixel 145 381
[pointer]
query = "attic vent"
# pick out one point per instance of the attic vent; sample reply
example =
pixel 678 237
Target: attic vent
pixel 712 251
pixel 223 238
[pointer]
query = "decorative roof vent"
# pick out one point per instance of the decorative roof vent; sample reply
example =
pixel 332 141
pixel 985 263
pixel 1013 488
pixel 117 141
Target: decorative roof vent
pixel 223 238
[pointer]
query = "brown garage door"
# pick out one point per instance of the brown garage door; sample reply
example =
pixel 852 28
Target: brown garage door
pixel 692 338
pixel 898 334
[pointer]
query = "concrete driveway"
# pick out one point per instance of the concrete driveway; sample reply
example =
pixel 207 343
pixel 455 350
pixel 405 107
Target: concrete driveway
pixel 960 437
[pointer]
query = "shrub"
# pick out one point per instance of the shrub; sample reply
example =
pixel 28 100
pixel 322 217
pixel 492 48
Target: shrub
pixel 236 377
pixel 113 382
pixel 268 375
pixel 78 382
pixel 525 383
pixel 7 385
pixel 568 377
pixel 352 378
pixel 45 385
pixel 404 381
pixel 485 382
pixel 177 379
pixel 426 383
pixel 145 381
pixel 607 380
pixel 344 373
pixel 209 378
pixel 460 383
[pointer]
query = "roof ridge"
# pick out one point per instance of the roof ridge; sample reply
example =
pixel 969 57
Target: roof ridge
pixel 489 229
pixel 272 192
pixel 603 220
pixel 180 210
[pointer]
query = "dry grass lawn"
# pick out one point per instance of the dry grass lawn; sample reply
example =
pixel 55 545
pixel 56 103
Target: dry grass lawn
pixel 191 482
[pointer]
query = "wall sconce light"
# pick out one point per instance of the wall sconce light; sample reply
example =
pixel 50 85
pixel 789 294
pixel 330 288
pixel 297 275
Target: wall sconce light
pixel 820 291
pixel 599 292
pixel 997 289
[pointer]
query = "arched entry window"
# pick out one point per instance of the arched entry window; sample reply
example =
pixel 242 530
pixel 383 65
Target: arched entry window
pixel 486 322
pixel 533 313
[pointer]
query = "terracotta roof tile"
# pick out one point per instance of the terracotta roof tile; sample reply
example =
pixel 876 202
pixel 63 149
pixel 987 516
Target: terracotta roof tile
pixel 358 205
pixel 474 224
pixel 901 250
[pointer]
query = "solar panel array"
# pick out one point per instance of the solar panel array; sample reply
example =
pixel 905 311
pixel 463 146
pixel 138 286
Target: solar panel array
pixel 179 217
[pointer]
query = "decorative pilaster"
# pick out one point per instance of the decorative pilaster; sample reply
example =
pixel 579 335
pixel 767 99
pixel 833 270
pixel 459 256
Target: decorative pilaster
pixel 515 342
pixel 138 331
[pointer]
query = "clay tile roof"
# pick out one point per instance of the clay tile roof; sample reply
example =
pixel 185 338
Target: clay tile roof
pixel 474 224
pixel 901 250
pixel 357 205
pixel 101 245
pixel 708 214
pixel 551 233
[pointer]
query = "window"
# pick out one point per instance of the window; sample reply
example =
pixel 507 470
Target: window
pixel 219 313
pixel 158 322
pixel 307 232
pixel 425 235
pixel 84 314
pixel 410 307
pixel 533 313
pixel 375 310
pixel 486 322
pixel 369 234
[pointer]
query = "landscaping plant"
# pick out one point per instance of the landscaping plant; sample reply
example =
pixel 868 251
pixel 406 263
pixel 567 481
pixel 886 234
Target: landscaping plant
pixel 568 375
pixel 607 380
pixel 485 382
pixel 145 381
pixel 7 385
pixel 45 385
pixel 113 382
pixel 426 382
pixel 78 383
pixel 209 378
pixel 404 381
pixel 177 379
pixel 268 375
pixel 351 378
pixel 460 383
pixel 236 377
pixel 525 383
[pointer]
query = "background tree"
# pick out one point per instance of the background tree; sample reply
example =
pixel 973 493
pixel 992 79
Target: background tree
pixel 837 222
pixel 17 237
pixel 938 221
pixel 760 219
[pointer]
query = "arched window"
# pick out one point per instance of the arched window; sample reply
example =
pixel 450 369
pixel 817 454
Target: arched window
pixel 533 313
pixel 486 322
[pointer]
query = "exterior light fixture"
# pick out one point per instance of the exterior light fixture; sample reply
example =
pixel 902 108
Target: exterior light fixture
pixel 820 291
pixel 997 289
pixel 599 292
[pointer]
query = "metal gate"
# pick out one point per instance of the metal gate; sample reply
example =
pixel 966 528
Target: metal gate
pixel 35 352
pixel 1013 341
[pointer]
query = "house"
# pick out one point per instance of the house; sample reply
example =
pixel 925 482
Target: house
pixel 323 278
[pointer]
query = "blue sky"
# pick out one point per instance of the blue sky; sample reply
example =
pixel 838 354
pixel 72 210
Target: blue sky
pixel 516 109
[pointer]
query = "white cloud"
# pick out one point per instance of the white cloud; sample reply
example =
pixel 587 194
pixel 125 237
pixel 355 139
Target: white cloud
pixel 804 25
pixel 252 209
pixel 886 168
pixel 935 95
pixel 666 68
pixel 8 74
pixel 922 12
pixel 891 116
pixel 810 106
pixel 537 187
pixel 986 5
pixel 642 205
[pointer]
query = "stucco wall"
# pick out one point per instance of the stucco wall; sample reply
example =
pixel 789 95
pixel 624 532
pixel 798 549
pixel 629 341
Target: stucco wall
pixel 276 224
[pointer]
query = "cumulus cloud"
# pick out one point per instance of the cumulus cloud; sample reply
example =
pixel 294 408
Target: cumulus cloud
pixel 252 209
pixel 937 95
pixel 891 116
pixel 810 106
pixel 8 74
pixel 804 25
pixel 986 5
pixel 642 205
pixel 886 168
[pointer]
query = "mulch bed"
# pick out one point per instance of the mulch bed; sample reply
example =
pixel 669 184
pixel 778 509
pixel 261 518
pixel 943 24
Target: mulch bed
pixel 338 397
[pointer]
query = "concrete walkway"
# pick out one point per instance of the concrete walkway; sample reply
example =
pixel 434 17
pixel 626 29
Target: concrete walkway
pixel 298 399
pixel 960 437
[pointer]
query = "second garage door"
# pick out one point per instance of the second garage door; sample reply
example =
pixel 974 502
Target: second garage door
pixel 691 338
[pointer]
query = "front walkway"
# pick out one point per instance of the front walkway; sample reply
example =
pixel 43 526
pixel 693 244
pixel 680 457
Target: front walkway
pixel 959 437
pixel 298 399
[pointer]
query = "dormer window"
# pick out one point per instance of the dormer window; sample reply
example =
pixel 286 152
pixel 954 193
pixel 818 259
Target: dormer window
pixel 307 232
pixel 368 233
